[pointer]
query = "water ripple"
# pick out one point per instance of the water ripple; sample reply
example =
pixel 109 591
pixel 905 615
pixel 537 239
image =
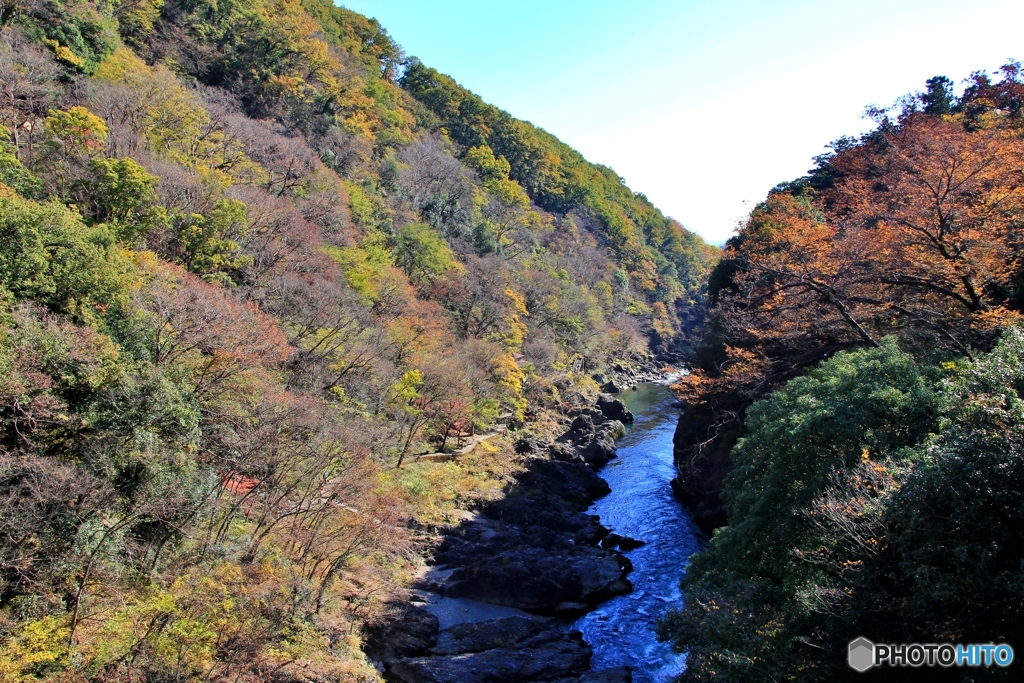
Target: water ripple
pixel 641 506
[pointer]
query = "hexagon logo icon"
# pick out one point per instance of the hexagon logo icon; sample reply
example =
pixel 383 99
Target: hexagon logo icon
pixel 862 655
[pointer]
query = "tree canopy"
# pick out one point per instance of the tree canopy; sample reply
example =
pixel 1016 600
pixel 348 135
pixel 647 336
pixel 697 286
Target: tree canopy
pixel 246 279
pixel 857 381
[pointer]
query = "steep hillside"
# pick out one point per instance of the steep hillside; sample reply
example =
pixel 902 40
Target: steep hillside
pixel 854 425
pixel 253 261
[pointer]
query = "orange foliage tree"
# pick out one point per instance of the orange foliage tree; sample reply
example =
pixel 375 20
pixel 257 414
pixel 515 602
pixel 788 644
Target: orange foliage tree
pixel 914 232
pixel 917 237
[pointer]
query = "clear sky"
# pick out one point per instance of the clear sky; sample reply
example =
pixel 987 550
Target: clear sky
pixel 701 105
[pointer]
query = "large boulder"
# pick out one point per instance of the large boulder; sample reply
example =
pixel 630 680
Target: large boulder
pixel 613 408
pixel 600 446
pixel 600 450
pixel 576 483
pixel 531 660
pixel 565 452
pixel 592 435
pixel 534 580
pixel 403 631
pixel 612 387
pixel 509 649
pixel 477 636
pixel 529 446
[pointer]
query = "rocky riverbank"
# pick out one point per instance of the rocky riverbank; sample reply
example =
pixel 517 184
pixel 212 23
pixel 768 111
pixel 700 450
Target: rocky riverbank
pixel 503 586
pixel 702 444
pixel 628 374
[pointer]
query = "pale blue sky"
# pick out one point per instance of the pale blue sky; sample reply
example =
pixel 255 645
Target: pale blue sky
pixel 703 106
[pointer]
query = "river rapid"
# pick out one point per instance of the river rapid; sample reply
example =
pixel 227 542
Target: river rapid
pixel 641 506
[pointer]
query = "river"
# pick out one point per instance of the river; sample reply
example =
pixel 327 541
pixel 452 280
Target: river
pixel 641 505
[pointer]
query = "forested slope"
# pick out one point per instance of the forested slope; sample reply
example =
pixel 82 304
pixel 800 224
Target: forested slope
pixel 855 417
pixel 253 261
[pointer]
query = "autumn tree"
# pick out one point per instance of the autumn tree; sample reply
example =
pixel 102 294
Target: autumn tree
pixel 912 230
pixel 436 185
pixel 917 236
pixel 438 395
pixel 287 161
pixel 72 139
pixel 199 326
pixel 1002 97
pixel 336 336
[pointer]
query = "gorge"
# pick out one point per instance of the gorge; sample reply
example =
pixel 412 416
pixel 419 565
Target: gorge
pixel 498 600
pixel 310 357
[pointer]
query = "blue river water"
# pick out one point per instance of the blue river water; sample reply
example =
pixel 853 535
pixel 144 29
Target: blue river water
pixel 641 506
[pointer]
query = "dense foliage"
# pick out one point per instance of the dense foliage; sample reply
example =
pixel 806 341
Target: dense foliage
pixel 877 492
pixel 245 278
pixel 912 230
pixel 876 497
pixel 659 255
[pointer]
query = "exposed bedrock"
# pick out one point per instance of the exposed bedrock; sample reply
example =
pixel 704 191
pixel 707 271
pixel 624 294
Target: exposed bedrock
pixel 535 550
pixel 702 448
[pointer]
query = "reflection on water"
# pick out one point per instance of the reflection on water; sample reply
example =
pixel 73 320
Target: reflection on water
pixel 641 506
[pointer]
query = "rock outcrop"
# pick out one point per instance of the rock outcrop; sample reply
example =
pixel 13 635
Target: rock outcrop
pixel 511 649
pixel 702 456
pixel 535 550
pixel 629 373
pixel 614 409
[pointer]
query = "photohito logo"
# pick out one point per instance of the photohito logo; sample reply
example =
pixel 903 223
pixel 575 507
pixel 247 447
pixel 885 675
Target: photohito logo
pixel 863 655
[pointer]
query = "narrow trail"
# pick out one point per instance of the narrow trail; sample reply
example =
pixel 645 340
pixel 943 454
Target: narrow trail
pixel 470 446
